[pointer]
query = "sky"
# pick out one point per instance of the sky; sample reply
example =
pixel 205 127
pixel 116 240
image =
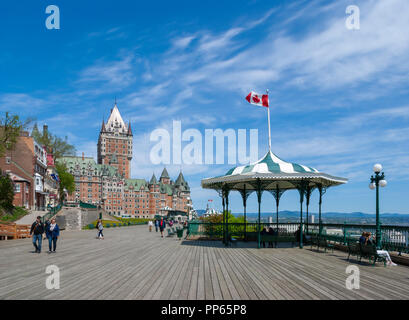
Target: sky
pixel 338 97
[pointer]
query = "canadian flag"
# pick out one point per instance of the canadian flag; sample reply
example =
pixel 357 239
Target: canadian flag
pixel 258 99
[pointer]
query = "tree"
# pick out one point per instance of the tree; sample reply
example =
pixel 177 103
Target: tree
pixel 6 192
pixel 55 145
pixel 66 181
pixel 10 129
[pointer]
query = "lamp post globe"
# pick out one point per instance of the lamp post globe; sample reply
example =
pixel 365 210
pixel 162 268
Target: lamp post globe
pixel 372 186
pixel 383 183
pixel 377 168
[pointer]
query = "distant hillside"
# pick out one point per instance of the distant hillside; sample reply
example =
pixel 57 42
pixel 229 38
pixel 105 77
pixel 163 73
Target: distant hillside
pixel 333 217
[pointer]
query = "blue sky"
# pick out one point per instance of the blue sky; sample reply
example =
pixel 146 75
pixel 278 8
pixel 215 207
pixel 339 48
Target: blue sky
pixel 339 97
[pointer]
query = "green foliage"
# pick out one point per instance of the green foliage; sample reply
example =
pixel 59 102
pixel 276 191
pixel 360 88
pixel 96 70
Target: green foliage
pixel 121 223
pixel 55 145
pixel 16 214
pixel 6 193
pixel 218 218
pixel 66 181
pixel 10 129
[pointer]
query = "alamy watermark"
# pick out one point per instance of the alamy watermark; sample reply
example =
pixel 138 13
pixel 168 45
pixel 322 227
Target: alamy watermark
pixel 209 148
pixel 352 281
pixel 53 280
pixel 352 21
pixel 53 20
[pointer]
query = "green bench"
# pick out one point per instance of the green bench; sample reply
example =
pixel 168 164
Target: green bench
pixel 281 238
pixel 321 242
pixel 369 252
pixel 354 249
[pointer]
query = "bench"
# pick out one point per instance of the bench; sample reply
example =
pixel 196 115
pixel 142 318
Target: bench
pixel 281 238
pixel 353 249
pixel 232 241
pixel 370 252
pixel 322 242
pixel 398 247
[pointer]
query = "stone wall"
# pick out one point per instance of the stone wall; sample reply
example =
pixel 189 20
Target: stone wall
pixel 77 218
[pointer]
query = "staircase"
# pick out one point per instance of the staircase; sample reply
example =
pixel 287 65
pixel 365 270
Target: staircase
pixel 31 217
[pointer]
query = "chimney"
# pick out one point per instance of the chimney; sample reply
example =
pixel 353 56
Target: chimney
pixel 83 156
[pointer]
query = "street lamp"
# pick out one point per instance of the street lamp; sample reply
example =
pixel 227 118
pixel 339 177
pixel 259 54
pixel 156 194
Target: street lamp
pixel 376 181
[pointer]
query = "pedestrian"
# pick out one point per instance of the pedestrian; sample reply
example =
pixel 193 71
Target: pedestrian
pixel 37 230
pixel 46 224
pixel 156 225
pixel 150 224
pixel 100 228
pixel 162 225
pixel 53 232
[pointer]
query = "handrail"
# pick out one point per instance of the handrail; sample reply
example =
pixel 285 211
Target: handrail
pixel 395 238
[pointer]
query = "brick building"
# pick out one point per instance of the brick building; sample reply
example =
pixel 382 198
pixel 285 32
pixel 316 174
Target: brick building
pixel 115 143
pixel 107 182
pixel 27 165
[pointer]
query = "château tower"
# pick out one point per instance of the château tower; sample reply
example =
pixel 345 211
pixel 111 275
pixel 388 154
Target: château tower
pixel 115 143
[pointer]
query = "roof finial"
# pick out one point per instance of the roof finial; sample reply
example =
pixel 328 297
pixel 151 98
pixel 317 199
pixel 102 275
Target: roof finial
pixel 115 100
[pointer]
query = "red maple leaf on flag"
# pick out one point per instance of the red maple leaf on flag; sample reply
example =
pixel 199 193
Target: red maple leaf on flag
pixel 256 99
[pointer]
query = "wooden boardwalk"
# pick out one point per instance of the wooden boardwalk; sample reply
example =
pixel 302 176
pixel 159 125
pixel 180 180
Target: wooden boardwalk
pixel 132 263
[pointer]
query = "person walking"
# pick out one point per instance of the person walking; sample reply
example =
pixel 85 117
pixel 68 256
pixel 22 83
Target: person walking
pixel 162 226
pixel 156 225
pixel 37 230
pixel 150 224
pixel 52 231
pixel 46 224
pixel 100 228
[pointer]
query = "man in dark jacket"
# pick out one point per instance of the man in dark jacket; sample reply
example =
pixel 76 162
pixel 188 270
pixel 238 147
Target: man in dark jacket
pixel 37 230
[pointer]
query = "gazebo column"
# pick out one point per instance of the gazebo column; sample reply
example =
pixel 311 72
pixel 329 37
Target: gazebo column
pixel 259 193
pixel 277 193
pixel 321 190
pixel 227 215
pixel 224 209
pixel 308 191
pixel 244 194
pixel 301 189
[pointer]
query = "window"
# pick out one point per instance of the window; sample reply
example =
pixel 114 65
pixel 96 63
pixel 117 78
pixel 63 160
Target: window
pixel 8 160
pixel 17 188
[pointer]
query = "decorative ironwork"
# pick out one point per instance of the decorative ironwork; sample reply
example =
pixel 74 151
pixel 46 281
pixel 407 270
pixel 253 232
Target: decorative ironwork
pixel 277 193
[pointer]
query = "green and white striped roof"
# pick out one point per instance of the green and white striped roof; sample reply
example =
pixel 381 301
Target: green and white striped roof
pixel 274 173
pixel 270 163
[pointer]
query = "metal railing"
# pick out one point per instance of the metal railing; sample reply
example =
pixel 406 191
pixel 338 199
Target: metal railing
pixel 237 230
pixel 395 238
pixel 52 211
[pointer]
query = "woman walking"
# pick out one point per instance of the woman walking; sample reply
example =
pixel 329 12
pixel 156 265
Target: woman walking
pixel 150 224
pixel 100 228
pixel 156 225
pixel 52 232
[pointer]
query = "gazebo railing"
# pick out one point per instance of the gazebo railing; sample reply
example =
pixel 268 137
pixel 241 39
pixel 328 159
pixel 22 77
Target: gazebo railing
pixel 237 230
pixel 394 238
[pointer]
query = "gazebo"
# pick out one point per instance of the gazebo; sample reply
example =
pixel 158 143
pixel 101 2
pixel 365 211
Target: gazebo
pixel 276 176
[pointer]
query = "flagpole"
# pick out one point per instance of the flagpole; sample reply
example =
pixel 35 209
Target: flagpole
pixel 269 130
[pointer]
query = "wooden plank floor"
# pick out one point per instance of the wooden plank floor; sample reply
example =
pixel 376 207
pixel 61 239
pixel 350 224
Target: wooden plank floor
pixel 132 263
